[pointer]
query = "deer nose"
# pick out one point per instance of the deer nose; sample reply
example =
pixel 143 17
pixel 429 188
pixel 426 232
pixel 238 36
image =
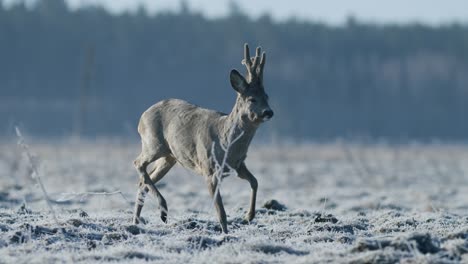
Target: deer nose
pixel 267 114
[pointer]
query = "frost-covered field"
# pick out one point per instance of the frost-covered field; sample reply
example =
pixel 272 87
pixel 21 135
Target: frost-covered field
pixel 344 203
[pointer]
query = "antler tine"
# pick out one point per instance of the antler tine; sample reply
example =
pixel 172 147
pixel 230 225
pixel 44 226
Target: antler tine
pixel 256 60
pixel 262 65
pixel 255 64
pixel 262 61
pixel 246 60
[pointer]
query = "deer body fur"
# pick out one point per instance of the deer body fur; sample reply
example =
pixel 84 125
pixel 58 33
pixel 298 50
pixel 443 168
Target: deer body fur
pixel 176 131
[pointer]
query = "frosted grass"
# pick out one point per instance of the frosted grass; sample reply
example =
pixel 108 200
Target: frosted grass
pixel 392 203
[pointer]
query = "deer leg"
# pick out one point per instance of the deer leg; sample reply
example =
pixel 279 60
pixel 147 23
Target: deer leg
pixel 139 202
pixel 245 174
pixel 147 183
pixel 216 196
pixel 140 164
pixel 163 166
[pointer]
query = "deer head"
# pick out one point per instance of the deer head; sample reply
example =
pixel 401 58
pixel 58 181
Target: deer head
pixel 252 101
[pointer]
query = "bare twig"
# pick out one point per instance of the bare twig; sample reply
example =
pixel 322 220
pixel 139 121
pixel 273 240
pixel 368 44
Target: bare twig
pixel 73 195
pixel 219 167
pixel 35 173
pixel 219 172
pixel 324 204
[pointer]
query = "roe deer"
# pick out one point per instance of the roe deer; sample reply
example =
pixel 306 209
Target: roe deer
pixel 175 131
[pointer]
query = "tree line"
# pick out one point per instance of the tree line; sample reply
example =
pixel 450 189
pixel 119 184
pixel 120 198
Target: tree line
pixel 91 72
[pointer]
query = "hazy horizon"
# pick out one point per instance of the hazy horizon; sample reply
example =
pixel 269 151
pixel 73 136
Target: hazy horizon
pixel 333 12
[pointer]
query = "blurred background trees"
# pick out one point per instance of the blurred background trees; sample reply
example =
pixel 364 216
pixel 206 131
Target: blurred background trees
pixel 93 73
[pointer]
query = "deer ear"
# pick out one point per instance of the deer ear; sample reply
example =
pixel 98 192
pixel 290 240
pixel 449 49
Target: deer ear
pixel 238 82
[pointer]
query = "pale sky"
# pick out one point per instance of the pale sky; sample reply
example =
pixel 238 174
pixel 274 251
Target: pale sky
pixel 329 11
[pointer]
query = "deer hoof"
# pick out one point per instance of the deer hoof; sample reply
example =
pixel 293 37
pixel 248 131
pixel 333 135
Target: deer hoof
pixel 164 217
pixel 140 220
pixel 249 217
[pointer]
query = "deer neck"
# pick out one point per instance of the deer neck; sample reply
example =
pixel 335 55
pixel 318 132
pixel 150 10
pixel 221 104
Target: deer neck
pixel 236 126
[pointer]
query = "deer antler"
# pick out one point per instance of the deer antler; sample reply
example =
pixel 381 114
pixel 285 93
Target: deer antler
pixel 255 64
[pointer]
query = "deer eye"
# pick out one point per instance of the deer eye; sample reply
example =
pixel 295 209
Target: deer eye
pixel 252 100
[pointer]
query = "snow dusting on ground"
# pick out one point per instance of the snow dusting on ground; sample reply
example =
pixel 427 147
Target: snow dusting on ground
pixel 333 203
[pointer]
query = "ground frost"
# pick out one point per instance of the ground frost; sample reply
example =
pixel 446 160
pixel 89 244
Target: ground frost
pixel 317 203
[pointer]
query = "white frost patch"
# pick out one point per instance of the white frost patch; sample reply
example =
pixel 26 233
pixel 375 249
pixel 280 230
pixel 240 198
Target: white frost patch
pixel 344 202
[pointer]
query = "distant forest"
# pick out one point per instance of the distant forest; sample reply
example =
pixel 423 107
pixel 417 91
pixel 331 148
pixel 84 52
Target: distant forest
pixel 93 73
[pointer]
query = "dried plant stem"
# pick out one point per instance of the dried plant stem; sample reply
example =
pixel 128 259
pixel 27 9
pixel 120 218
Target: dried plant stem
pixel 35 173
pixel 83 195
pixel 219 172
